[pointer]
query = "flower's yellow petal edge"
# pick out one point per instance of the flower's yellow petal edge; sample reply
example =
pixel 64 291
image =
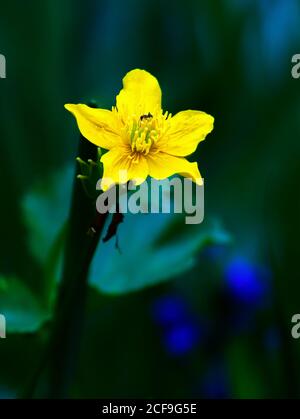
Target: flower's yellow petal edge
pixel 186 129
pixel 162 165
pixel 99 126
pixel 140 95
pixel 119 168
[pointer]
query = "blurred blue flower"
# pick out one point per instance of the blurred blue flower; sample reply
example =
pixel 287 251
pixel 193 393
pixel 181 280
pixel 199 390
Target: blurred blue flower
pixel 181 339
pixel 216 384
pixel 246 282
pixel 280 28
pixel 272 339
pixel 169 309
pixel 214 252
pixel 181 330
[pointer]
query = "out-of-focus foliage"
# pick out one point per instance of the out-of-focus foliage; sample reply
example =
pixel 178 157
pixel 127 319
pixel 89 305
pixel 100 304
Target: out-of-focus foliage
pixel 46 210
pixel 231 59
pixel 160 247
pixel 142 260
pixel 22 310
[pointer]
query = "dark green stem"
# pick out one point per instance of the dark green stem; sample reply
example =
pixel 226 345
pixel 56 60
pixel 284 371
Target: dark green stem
pixel 70 306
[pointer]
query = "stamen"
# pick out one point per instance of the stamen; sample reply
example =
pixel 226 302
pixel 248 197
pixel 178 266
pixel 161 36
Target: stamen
pixel 143 132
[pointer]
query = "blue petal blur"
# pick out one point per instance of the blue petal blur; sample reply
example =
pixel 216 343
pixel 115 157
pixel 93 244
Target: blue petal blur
pixel 246 283
pixel 181 339
pixel 169 309
pixel 272 339
pixel 180 328
pixel 216 384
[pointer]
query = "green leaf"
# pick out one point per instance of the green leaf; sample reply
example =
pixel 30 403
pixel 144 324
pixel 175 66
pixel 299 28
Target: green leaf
pixel 23 313
pixel 45 211
pixel 154 247
pixel 150 252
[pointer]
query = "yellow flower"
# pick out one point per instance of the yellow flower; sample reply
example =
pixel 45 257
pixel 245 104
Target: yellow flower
pixel 142 139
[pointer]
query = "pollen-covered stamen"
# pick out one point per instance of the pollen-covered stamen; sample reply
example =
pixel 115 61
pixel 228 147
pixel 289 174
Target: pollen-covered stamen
pixel 143 133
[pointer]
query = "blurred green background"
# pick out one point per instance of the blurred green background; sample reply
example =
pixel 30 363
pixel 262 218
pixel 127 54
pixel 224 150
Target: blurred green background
pixel 221 327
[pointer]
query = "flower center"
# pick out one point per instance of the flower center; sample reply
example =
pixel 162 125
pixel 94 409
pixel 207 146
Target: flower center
pixel 143 133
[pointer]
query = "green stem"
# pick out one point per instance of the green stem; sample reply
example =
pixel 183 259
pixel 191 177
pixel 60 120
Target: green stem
pixel 70 306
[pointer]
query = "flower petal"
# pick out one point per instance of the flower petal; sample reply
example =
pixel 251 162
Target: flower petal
pixel 162 165
pixel 119 168
pixel 186 130
pixel 99 126
pixel 140 95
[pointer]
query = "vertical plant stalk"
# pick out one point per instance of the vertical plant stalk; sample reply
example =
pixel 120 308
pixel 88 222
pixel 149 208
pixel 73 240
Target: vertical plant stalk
pixel 82 240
